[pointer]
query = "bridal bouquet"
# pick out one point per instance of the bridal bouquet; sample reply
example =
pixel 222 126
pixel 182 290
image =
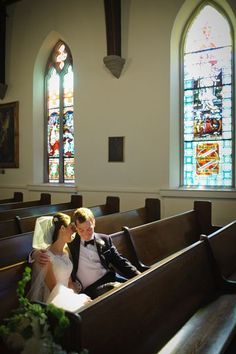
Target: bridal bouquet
pixel 28 330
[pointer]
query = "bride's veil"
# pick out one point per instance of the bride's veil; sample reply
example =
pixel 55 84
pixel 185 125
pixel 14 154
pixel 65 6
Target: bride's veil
pixel 42 238
pixel 43 232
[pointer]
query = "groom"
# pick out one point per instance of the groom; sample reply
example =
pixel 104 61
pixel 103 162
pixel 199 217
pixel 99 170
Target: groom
pixel 97 265
pixel 96 260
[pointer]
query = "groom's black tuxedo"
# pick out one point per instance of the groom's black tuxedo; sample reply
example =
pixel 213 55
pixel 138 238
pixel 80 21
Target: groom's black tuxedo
pixel 108 254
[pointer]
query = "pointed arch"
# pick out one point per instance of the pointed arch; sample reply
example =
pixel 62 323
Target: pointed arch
pixel 207 78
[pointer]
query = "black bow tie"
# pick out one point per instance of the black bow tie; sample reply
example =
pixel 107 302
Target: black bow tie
pixel 90 242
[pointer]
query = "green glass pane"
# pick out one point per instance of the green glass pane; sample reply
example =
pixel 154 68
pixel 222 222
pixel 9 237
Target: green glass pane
pixel 53 170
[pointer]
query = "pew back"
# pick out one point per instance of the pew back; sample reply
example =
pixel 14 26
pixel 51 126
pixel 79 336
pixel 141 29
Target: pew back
pixel 25 224
pixel 9 227
pixel 145 312
pixel 9 278
pixel 17 197
pixel 45 199
pixel 223 245
pixel 113 223
pixel 123 243
pixel 40 209
pixel 15 249
pixel 112 206
pixel 166 236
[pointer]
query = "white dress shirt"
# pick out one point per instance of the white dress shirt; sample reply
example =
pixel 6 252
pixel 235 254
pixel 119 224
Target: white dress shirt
pixel 90 268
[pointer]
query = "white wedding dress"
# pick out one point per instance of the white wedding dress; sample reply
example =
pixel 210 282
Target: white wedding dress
pixel 61 296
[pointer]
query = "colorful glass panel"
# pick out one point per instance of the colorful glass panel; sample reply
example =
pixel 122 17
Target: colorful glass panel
pixel 53 170
pixel 60 121
pixel 68 88
pixel 61 56
pixel 69 170
pixel 53 89
pixel 54 134
pixel 68 134
pixel 208 126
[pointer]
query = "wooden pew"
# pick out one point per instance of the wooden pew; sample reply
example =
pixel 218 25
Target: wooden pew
pixel 17 197
pixel 113 223
pixel 157 240
pixel 45 199
pixel 112 205
pixel 25 224
pixel 40 209
pixel 177 298
pixel 14 225
pixel 223 247
pixel 180 289
pixel 142 245
pixel 9 227
pixel 14 253
pixel 9 278
pixel 125 247
pixel 15 248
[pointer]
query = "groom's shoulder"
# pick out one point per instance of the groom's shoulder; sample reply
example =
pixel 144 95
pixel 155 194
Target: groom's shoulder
pixel 75 242
pixel 103 237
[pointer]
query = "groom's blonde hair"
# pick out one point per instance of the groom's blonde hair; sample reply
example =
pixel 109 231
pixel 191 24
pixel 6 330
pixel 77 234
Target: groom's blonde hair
pixel 83 214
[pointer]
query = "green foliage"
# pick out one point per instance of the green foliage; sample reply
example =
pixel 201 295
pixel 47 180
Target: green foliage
pixel 28 327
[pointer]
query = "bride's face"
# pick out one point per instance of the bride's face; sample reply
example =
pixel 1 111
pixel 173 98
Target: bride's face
pixel 68 233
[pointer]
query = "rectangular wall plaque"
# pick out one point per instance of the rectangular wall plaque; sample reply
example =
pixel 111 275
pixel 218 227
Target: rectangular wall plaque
pixel 116 149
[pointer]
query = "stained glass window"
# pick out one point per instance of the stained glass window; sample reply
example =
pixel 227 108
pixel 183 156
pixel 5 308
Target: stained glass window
pixel 207 113
pixel 60 116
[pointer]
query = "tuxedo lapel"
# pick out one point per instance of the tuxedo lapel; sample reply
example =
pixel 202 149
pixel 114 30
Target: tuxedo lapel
pixel 101 248
pixel 74 247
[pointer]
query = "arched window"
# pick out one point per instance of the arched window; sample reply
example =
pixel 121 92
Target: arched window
pixel 207 121
pixel 59 117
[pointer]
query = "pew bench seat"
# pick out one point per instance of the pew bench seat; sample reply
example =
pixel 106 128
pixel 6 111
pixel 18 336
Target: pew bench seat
pixel 210 330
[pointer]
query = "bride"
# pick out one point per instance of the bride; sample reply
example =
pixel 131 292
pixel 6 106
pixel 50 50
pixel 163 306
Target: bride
pixel 52 283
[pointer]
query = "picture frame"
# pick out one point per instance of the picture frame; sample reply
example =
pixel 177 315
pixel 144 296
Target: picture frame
pixel 9 135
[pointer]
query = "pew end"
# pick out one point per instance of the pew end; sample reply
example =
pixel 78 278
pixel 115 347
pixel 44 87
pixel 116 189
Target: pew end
pixel 17 197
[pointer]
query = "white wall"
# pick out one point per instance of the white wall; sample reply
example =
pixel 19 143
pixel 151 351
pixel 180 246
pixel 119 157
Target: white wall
pixel 136 106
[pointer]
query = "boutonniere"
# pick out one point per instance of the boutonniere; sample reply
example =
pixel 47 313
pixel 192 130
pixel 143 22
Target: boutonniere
pixel 100 243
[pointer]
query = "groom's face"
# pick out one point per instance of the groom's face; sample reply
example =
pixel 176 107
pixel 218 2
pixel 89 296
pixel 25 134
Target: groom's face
pixel 85 229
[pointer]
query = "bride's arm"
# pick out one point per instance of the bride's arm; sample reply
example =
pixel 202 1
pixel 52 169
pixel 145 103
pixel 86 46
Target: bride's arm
pixel 50 279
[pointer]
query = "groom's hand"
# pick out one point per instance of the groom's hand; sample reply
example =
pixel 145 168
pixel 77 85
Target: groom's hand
pixel 41 257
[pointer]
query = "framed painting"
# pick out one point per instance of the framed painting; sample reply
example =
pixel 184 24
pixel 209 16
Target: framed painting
pixel 9 135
